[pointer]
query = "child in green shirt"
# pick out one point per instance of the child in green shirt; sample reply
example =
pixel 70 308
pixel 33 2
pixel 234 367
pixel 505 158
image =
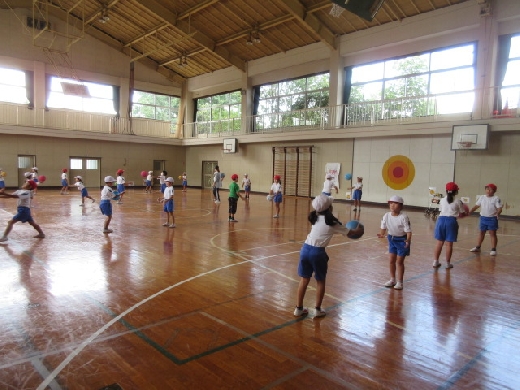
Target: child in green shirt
pixel 233 197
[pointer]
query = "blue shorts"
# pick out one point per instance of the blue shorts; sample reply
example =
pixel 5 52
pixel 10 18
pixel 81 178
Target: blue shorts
pixel 327 193
pixel 163 187
pixel 23 214
pixel 184 183
pixel 148 183
pixel 35 180
pixel 169 206
pixel 2 184
pixel 446 229
pixel 315 260
pixel 277 198
pixel 357 195
pixel 247 188
pixel 488 223
pixel 106 207
pixel 121 188
pixel 64 182
pixel 396 245
pixel 84 193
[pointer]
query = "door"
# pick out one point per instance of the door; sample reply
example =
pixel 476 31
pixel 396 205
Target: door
pixel 89 168
pixel 25 164
pixel 208 167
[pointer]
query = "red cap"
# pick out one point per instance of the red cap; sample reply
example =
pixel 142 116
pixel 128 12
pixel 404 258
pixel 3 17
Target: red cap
pixel 64 170
pixel 32 184
pixel 277 177
pixel 491 186
pixel 234 176
pixel 452 186
pixel 120 171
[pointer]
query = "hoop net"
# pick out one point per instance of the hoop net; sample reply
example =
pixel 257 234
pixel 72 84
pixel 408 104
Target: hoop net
pixel 336 10
pixel 465 144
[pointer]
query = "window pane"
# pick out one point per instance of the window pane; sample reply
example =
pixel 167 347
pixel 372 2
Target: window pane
pixel 267 91
pixel 91 164
pixel 76 163
pixel 364 73
pixel 235 97
pixel 514 52
pixel 318 82
pixel 204 102
pixel 24 162
pixel 455 80
pixel 453 57
pixel 372 91
pixel 162 113
pixel 161 100
pixel 512 74
pixel 406 66
pixel 13 94
pixel 511 96
pixel 12 77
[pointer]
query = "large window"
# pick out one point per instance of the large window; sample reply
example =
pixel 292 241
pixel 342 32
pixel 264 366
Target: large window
pixel 13 86
pixel 219 113
pixel 293 102
pixel 437 82
pixel 511 83
pixel 98 100
pixel 155 106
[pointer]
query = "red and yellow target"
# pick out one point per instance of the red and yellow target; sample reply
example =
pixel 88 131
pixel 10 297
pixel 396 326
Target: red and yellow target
pixel 398 172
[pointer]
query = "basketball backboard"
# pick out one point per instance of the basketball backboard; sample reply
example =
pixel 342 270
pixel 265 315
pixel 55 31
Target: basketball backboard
pixel 469 137
pixel 229 145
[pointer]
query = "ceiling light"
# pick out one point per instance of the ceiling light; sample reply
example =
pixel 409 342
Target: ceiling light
pixel 104 16
pixel 249 40
pixel 183 61
pixel 255 37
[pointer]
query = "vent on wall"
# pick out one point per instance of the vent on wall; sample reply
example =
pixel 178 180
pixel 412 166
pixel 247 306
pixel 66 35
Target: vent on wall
pixel 37 24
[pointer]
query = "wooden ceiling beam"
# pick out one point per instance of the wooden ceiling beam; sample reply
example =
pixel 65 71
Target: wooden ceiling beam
pixel 310 21
pixel 198 36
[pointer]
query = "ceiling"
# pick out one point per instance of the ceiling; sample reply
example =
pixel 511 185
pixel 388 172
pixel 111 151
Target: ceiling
pixel 187 38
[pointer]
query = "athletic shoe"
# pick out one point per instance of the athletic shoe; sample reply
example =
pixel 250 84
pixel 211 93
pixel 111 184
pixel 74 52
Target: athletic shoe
pixel 493 253
pixel 436 264
pixel 300 312
pixel 390 283
pixel 354 208
pixel 276 216
pixel 172 225
pixel 476 249
pixel 93 200
pixel 398 286
pixel 165 224
pixel 217 201
pixel 449 265
pixel 319 313
pixel 3 239
pixel 81 205
pixel 40 236
pixel 107 231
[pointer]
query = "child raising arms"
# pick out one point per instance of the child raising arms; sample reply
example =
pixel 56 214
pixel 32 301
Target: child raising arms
pixel 397 225
pixel 83 189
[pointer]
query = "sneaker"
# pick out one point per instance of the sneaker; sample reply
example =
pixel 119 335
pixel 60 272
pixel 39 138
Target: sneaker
pixel 165 224
pixel 449 265
pixel 3 239
pixel 436 264
pixel 40 236
pixel 301 312
pixel 93 200
pixel 476 249
pixel 319 313
pixel 81 205
pixel 493 253
pixel 276 216
pixel 217 201
pixel 355 209
pixel 172 225
pixel 398 286
pixel 107 231
pixel 390 283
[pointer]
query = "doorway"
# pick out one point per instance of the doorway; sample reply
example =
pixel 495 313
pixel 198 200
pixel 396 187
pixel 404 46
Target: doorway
pixel 25 164
pixel 88 168
pixel 208 167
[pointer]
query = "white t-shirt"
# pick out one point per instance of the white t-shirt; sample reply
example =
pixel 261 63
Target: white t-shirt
pixel 246 181
pixel 450 209
pixel 80 185
pixel 120 180
pixel 489 205
pixel 328 186
pixel 63 176
pixel 276 188
pixel 321 233
pixel 396 226
pixel 217 180
pixel 24 198
pixel 106 193
pixel 358 185
pixel 149 178
pixel 168 192
pixel 161 178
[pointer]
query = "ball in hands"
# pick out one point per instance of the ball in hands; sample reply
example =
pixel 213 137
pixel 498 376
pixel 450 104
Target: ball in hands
pixel 356 229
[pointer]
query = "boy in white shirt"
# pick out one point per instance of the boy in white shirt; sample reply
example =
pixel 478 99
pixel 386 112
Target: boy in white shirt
pixel 105 203
pixel 329 185
pixel 169 206
pixel 490 208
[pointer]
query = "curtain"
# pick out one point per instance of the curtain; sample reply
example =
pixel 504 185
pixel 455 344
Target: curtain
pixel 504 46
pixel 347 89
pixel 256 104
pixel 29 88
pixel 116 99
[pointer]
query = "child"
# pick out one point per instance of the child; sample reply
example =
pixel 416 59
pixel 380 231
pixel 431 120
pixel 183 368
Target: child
pixel 23 212
pixel 2 182
pixel 217 183
pixel 491 209
pixel 184 181
pixel 162 177
pixel 276 192
pixel 64 182
pixel 329 185
pixel 358 191
pixel 169 206
pixel 120 185
pixel 447 228
pixel 34 177
pixel 313 258
pixel 397 225
pixel 105 203
pixel 149 182
pixel 246 185
pixel 234 194
pixel 83 189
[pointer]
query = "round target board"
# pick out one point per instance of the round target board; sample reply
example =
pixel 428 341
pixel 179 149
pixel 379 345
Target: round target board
pixel 398 172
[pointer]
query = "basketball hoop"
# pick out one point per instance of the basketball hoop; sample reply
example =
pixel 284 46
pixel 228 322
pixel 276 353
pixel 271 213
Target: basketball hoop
pixel 336 10
pixel 465 144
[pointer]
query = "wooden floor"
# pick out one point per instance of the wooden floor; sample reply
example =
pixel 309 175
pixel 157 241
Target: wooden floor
pixel 209 304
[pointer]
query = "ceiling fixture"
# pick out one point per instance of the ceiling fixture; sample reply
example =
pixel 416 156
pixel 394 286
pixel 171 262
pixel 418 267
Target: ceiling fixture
pixel 183 61
pixel 249 39
pixel 253 36
pixel 104 16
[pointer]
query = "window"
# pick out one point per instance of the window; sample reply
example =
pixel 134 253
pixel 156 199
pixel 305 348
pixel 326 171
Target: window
pixel 100 100
pixel 404 86
pixel 155 106
pixel 293 102
pixel 13 86
pixel 219 113
pixel 511 83
pixel 76 163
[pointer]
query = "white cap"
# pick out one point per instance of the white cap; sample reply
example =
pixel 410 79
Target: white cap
pixel 170 179
pixel 245 174
pixel 35 168
pixel 396 199
pixel 329 176
pixel 78 177
pixel 321 202
pixel 109 179
pixel 27 174
pixel 150 171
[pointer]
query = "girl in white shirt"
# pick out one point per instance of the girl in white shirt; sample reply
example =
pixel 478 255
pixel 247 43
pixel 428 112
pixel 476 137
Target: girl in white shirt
pixel 276 192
